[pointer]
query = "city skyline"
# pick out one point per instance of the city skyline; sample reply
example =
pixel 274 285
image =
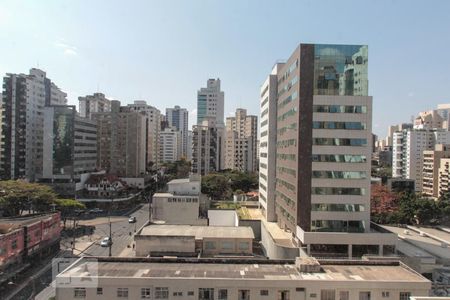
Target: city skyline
pixel 223 41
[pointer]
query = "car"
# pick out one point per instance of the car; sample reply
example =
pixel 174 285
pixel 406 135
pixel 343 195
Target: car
pixel 132 220
pixel 96 211
pixel 106 242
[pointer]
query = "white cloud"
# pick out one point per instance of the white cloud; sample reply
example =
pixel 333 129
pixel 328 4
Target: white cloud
pixel 68 50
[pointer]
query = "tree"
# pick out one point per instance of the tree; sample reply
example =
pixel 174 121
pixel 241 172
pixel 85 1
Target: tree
pixel 67 207
pixel 18 195
pixel 178 169
pixel 216 186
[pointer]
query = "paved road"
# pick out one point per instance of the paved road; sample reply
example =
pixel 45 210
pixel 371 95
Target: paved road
pixel 120 234
pixel 121 239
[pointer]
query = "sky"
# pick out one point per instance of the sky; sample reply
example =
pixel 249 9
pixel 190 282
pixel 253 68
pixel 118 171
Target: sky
pixel 164 51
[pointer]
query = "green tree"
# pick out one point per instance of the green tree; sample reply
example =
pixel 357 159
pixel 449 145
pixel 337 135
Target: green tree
pixel 216 186
pixel 18 195
pixel 67 208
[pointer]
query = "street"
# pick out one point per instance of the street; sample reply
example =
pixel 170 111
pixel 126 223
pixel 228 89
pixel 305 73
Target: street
pixel 121 237
pixel 90 245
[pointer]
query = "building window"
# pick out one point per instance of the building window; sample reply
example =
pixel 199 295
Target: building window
pixel 222 294
pixel 243 245
pixel 99 291
pixel 364 295
pixel 344 295
pixel 243 294
pixel 205 294
pixel 190 293
pixel 227 245
pixel 14 244
pixel 283 295
pixel 405 295
pixel 327 295
pixel 264 292
pixel 79 293
pixel 161 293
pixel 210 245
pixel 385 294
pixel 122 292
pixel 178 294
pixel 146 293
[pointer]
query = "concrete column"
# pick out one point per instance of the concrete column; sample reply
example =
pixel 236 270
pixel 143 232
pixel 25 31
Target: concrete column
pixel 308 249
pixel 380 250
pixel 350 251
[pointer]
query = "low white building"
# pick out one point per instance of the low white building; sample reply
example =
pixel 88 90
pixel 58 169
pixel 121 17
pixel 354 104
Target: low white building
pixel 208 279
pixel 186 240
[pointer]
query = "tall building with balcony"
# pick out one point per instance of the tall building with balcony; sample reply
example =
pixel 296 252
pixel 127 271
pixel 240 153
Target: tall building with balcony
pixel 267 143
pixel 170 143
pixel 431 164
pixel 179 117
pixel 210 107
pixel 153 127
pixel 121 147
pixel 241 137
pixel 323 148
pixel 24 98
pixel 93 104
pixel 205 158
pixel 408 149
pixel 70 149
pixel 444 178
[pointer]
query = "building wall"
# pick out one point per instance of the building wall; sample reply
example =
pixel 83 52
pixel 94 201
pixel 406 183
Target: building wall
pixel 93 104
pixel 298 289
pixel 145 245
pixel 170 143
pixel 177 209
pixel 430 173
pixel 205 150
pixel 268 147
pixel 179 118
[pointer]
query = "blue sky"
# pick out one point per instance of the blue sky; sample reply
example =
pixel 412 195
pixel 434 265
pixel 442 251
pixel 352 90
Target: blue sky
pixel 163 51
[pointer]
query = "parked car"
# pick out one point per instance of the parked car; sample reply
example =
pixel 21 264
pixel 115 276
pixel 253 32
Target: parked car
pixel 96 211
pixel 106 242
pixel 132 220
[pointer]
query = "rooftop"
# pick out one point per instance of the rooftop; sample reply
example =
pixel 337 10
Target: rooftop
pixel 427 243
pixel 199 232
pixel 9 224
pixel 332 270
pixel 182 180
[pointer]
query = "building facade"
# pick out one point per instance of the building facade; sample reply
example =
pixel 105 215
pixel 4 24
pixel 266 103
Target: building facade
pixel 24 98
pixel 179 117
pixel 241 138
pixel 153 127
pixel 430 174
pixel 93 104
pixel 210 279
pixel 70 148
pixel 210 108
pixel 121 146
pixel 170 144
pixel 408 148
pixel 323 148
pixel 205 152
pixel 267 143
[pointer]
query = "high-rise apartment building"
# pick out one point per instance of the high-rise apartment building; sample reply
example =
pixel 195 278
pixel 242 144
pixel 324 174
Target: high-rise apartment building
pixel 169 145
pixel 394 128
pixel 153 127
pixel 323 149
pixel 70 148
pixel 178 117
pixel 444 178
pixel 93 104
pixel 23 100
pixel 408 148
pixel 241 137
pixel 210 106
pixel 189 148
pixel 121 147
pixel 267 143
pixel 205 158
pixel 431 164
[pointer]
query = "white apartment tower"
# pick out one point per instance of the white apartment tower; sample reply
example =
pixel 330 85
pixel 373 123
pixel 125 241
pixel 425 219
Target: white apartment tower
pixel 23 100
pixel 179 117
pixel 408 148
pixel 169 145
pixel 241 137
pixel 210 106
pixel 267 143
pixel 153 128
pixel 205 158
pixel 93 104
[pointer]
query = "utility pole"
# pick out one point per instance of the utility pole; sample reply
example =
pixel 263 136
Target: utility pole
pixel 110 227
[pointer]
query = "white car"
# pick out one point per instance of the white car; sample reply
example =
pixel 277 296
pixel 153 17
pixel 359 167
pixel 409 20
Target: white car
pixel 106 242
